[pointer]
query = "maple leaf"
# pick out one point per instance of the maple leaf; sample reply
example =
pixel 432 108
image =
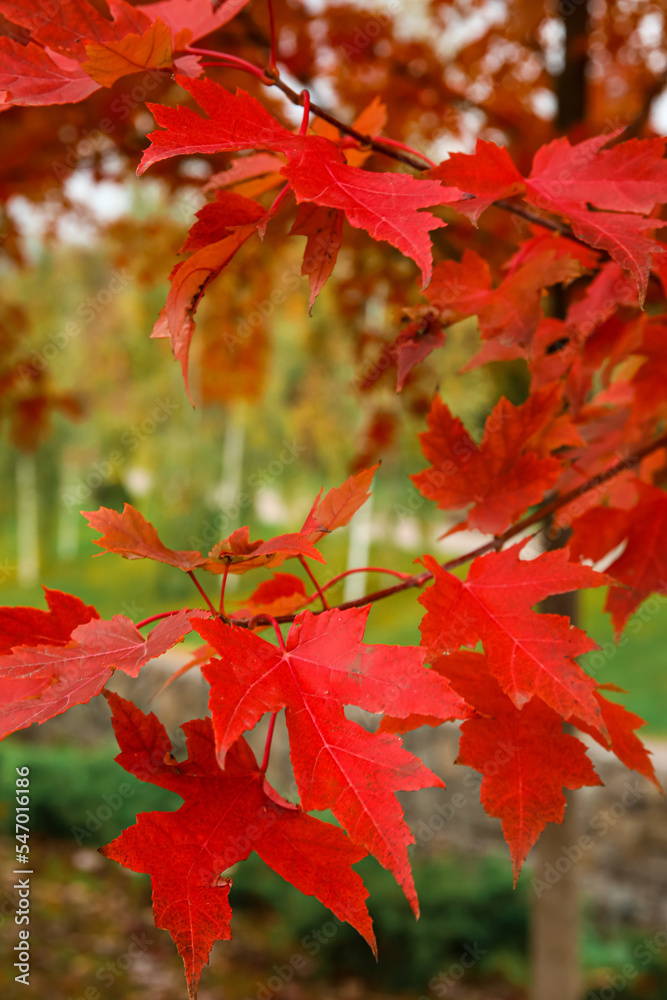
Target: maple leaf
pixel 255 165
pixel 323 228
pixel 528 653
pixel 40 681
pixel 642 566
pixel 65 25
pixel 620 725
pixel 237 554
pixel 339 505
pixel 489 174
pixel 109 61
pixel 32 75
pixel 503 476
pixel 32 627
pixel 131 535
pixel 281 595
pixel 221 230
pixel 526 759
pixel 337 764
pixel 225 816
pixel 512 311
pixel 386 205
pixel 197 18
pixel 629 178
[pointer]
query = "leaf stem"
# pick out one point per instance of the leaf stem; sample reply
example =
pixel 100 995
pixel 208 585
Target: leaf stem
pixel 306 112
pixel 165 614
pixel 227 59
pixel 222 590
pixel 408 149
pixel 366 569
pixel 256 619
pixel 272 61
pixel 320 591
pixel 201 590
pixel 267 745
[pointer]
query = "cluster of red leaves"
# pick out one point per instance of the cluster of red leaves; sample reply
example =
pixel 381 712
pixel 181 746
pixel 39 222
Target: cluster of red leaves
pixel 587 434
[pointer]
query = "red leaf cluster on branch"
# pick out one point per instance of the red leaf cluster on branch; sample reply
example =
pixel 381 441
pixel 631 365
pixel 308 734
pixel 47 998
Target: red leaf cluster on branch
pixel 585 452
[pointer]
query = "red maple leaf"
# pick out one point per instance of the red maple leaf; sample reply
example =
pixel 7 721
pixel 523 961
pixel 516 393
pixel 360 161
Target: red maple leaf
pixel 109 61
pixel 528 653
pixel 502 477
pixel 642 566
pixel 522 753
pixel 509 314
pixel 33 75
pixel 526 760
pixel 221 230
pixel 620 725
pixel 38 682
pixel 225 816
pixel 489 174
pixel 32 627
pixel 323 228
pixel 237 554
pixel 132 536
pixel 337 764
pixel 281 595
pixel 339 505
pixel 386 205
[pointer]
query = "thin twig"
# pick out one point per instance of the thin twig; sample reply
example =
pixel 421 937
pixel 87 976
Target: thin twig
pixel 201 591
pixel 325 606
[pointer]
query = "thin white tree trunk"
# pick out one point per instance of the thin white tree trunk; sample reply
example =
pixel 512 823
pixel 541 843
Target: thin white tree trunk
pixel 27 524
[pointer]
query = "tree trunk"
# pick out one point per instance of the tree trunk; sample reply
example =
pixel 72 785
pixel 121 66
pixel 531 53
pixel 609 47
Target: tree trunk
pixel 555 959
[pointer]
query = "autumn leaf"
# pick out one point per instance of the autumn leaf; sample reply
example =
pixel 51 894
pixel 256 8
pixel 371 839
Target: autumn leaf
pixel 386 205
pixel 502 477
pixel 225 816
pixel 32 627
pixel 528 653
pixel 339 505
pixel 526 760
pixel 33 75
pixel 509 314
pixel 323 228
pixel 107 62
pixel 489 174
pixel 220 231
pixel 337 764
pixel 195 17
pixel 281 595
pixel 132 536
pixel 620 725
pixel 40 681
pixel 237 554
pixel 641 568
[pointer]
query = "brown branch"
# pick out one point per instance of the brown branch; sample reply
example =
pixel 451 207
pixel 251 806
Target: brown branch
pixel 419 579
